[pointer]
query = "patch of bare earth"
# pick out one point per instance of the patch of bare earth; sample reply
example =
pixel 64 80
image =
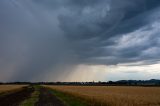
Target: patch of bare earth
pixel 16 97
pixel 46 98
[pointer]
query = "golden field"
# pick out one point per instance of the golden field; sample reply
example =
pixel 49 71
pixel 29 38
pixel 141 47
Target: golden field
pixel 4 88
pixel 114 95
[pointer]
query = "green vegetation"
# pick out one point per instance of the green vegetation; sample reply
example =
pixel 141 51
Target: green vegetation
pixel 33 99
pixel 69 100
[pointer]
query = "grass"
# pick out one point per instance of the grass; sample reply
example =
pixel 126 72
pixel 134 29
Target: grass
pixel 113 95
pixel 68 99
pixel 33 99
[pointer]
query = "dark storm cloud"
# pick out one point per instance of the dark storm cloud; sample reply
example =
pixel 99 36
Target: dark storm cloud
pixel 38 37
pixel 104 23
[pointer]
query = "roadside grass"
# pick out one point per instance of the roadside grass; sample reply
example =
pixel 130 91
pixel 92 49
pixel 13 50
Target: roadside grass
pixel 33 99
pixel 68 99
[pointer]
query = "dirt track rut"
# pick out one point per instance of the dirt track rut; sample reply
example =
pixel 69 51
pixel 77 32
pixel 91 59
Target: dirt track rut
pixel 46 98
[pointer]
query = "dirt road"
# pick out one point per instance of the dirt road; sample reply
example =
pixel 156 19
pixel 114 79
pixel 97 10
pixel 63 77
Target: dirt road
pixel 46 98
pixel 15 98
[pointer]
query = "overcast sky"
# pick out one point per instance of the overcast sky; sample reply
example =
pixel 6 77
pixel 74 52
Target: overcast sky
pixel 79 40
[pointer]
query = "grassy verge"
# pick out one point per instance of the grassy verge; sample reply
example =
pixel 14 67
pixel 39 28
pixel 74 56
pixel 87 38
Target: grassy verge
pixel 33 99
pixel 69 100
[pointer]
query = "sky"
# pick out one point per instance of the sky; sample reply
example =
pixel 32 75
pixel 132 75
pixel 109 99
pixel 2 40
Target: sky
pixel 79 40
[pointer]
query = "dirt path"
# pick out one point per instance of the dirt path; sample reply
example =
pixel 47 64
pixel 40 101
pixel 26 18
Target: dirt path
pixel 15 98
pixel 46 98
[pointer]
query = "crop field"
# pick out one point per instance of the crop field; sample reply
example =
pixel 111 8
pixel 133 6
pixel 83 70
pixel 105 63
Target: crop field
pixel 4 88
pixel 58 95
pixel 113 95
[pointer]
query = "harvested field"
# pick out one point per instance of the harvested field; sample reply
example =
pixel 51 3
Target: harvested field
pixel 16 97
pixel 114 95
pixel 4 88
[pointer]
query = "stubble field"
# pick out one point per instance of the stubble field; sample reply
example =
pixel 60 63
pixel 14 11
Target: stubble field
pixel 114 95
pixel 4 88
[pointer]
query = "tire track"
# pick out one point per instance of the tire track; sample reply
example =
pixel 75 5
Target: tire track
pixel 46 98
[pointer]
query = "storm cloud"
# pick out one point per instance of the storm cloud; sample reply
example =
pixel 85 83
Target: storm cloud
pixel 49 37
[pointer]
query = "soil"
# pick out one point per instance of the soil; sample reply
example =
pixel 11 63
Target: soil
pixel 46 98
pixel 15 98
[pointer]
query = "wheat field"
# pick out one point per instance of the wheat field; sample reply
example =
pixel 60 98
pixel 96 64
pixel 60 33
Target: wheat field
pixel 4 88
pixel 114 95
